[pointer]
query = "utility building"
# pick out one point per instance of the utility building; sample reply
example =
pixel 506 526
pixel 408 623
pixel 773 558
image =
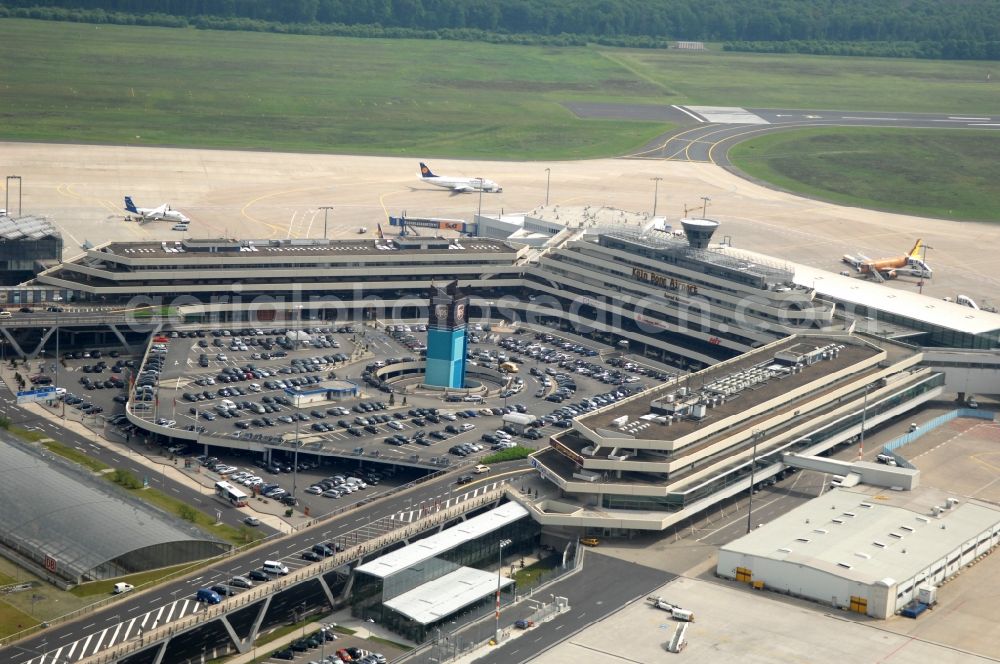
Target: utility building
pixel 871 551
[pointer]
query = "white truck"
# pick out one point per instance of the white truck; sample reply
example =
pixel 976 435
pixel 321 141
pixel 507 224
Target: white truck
pixel 676 612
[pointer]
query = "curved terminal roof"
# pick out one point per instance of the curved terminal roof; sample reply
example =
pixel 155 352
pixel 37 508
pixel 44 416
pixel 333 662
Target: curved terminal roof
pixel 53 511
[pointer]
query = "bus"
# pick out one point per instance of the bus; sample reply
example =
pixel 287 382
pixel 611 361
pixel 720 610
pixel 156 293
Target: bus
pixel 227 491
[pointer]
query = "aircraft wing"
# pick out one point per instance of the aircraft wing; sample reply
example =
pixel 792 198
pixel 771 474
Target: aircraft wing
pixel 462 188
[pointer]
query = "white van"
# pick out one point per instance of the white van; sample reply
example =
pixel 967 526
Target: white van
pixel 275 567
pixel 6 314
pixel 227 404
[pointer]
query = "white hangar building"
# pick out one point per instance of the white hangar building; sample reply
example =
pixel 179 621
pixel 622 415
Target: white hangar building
pixel 865 549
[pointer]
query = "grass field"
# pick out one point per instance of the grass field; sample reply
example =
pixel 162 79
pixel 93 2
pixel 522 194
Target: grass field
pixel 951 174
pixel 112 84
pixel 13 620
pixel 160 86
pixel 716 78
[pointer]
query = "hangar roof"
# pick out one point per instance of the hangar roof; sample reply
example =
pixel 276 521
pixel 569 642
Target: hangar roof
pixel 869 535
pixel 57 511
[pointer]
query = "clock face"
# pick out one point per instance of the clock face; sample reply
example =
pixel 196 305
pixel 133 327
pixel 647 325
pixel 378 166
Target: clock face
pixel 441 312
pixel 459 313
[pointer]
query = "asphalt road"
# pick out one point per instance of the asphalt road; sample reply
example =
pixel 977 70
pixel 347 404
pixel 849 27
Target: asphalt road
pixel 716 129
pixel 603 586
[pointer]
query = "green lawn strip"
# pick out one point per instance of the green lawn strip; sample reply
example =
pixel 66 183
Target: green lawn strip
pixel 343 630
pixel 236 536
pixel 75 455
pixel 6 579
pixel 26 434
pixel 509 454
pixel 13 620
pixel 138 580
pixel 949 174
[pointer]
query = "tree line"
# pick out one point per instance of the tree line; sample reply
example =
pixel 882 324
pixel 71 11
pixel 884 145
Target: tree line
pixel 932 28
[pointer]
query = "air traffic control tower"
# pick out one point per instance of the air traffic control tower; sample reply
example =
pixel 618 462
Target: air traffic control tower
pixel 446 337
pixel 699 231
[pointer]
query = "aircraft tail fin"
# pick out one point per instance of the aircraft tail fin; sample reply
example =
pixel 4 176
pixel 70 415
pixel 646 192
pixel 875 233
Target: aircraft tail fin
pixel 378 228
pixel 425 172
pixel 130 206
pixel 917 249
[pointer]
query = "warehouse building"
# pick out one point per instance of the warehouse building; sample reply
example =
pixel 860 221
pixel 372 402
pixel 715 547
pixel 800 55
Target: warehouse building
pixel 870 551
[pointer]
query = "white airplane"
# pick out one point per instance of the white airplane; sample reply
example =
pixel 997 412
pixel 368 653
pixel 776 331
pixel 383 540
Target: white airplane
pixel 163 212
pixel 458 185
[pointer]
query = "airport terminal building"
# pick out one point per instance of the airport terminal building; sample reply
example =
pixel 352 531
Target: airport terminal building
pixel 659 457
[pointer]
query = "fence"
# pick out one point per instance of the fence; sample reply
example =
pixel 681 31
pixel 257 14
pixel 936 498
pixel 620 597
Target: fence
pixel 911 436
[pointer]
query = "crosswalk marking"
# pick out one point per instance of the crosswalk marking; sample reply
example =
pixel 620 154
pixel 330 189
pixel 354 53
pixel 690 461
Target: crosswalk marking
pixel 83 650
pixel 131 624
pixel 100 639
pixel 114 636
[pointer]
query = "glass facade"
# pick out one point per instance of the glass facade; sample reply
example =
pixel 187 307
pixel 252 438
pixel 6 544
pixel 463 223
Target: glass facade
pixel 369 593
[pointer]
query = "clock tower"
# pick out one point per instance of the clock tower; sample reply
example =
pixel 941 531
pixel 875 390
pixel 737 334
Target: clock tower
pixel 447 337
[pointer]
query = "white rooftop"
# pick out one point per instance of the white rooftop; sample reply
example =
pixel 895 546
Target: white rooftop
pixel 869 535
pixel 446 540
pixel 922 308
pixel 444 596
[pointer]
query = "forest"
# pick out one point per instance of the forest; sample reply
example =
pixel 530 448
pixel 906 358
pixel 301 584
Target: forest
pixel 942 29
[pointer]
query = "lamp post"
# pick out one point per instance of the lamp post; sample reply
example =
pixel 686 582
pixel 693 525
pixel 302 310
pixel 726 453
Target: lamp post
pixel 753 466
pixel 295 460
pixel 656 192
pixel 7 198
pixel 326 210
pixel 704 205
pixel 861 438
pixel 480 212
pixel 923 258
pixel 502 543
pixel 548 178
